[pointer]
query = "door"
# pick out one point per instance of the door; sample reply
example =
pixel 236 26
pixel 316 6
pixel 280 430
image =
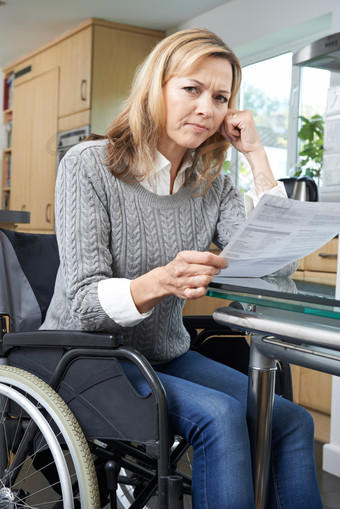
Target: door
pixel 116 56
pixel 35 122
pixel 21 146
pixel 75 72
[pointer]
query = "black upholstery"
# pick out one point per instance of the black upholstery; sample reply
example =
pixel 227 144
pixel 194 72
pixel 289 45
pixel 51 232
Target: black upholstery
pixel 39 260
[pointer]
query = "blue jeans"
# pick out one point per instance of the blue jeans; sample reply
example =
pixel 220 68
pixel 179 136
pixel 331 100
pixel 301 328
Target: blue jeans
pixel 207 406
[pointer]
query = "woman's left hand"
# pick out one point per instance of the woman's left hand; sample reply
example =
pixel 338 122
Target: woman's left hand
pixel 239 129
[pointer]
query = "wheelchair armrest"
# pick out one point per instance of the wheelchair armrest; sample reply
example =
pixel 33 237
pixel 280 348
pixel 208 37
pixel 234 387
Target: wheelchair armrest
pixel 62 338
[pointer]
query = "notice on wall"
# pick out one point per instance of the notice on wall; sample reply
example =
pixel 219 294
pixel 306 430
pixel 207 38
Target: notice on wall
pixel 330 182
pixel 279 231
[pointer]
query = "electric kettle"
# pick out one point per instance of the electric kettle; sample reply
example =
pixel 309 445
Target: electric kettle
pixel 301 188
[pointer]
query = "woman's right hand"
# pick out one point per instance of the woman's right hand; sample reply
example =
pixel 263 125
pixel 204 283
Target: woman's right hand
pixel 190 273
pixel 186 277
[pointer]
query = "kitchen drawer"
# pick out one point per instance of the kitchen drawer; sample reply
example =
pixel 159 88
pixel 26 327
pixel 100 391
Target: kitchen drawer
pixel 321 278
pixel 324 259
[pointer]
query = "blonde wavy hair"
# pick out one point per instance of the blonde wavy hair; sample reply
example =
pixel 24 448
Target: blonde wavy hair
pixel 134 133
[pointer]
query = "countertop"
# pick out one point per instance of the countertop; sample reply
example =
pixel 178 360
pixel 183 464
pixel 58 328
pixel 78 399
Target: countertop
pixel 14 216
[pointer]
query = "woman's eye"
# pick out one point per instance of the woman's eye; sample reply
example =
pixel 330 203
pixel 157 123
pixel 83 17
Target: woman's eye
pixel 221 99
pixel 191 90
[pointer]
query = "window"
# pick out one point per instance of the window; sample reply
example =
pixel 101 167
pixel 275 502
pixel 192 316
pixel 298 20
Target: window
pixel 313 101
pixel 266 92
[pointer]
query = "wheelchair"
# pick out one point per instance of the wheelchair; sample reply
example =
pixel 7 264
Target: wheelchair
pixel 74 432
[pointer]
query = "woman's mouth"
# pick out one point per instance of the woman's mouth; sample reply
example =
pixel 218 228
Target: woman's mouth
pixel 198 128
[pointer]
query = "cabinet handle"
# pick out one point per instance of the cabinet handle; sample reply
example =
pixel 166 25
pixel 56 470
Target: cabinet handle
pixel 23 208
pixel 326 255
pixel 47 213
pixel 83 90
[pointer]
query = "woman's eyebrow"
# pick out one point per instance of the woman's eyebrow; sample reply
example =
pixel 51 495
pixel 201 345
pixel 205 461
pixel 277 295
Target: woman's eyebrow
pixel 201 84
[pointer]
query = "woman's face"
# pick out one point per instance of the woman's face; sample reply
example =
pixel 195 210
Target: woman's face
pixel 195 105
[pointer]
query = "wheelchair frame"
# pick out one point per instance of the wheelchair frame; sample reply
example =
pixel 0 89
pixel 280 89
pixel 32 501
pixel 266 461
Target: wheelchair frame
pixel 153 460
pixel 156 456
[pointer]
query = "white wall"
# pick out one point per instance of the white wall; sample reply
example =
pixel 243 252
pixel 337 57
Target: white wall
pixel 258 29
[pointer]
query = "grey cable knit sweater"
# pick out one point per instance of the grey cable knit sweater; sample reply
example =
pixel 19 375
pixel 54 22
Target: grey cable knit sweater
pixel 107 228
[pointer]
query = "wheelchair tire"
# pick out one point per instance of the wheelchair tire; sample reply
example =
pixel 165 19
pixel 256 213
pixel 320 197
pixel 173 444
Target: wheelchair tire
pixel 37 481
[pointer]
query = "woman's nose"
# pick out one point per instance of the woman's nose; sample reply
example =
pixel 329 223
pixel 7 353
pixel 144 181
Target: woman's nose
pixel 205 106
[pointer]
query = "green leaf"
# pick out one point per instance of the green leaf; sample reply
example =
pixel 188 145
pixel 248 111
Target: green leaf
pixel 311 151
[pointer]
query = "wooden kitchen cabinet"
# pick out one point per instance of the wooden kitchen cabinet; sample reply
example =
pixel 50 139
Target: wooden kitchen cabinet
pixel 34 149
pixel 320 266
pixel 313 389
pixel 78 79
pixel 75 55
pixel 93 90
pixel 116 55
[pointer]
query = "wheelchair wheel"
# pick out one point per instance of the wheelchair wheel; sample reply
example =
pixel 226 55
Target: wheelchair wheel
pixel 45 461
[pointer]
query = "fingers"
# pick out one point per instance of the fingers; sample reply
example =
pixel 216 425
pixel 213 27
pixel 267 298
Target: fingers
pixel 231 125
pixel 204 258
pixel 239 129
pixel 195 293
pixel 192 271
pixel 195 263
pixel 235 120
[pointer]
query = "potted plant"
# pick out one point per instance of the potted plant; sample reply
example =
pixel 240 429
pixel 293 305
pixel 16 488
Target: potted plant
pixel 311 153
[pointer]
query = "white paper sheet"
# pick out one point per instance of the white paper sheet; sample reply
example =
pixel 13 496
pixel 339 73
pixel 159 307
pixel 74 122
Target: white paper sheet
pixel 277 232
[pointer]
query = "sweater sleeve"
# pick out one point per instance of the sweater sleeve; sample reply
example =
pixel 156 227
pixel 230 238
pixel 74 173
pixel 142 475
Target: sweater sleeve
pixel 83 230
pixel 231 213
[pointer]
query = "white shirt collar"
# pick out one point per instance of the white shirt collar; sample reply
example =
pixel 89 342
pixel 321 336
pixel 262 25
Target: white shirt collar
pixel 159 180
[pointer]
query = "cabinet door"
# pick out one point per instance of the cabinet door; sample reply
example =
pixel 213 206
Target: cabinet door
pixel 75 72
pixel 116 56
pixel 23 112
pixel 323 259
pixel 34 149
pixel 315 390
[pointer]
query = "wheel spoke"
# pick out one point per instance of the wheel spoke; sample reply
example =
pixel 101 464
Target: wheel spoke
pixel 52 449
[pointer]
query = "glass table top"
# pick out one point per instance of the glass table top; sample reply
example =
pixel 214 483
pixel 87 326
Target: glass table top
pixel 281 293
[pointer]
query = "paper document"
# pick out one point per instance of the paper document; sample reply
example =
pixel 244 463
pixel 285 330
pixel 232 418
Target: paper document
pixel 277 232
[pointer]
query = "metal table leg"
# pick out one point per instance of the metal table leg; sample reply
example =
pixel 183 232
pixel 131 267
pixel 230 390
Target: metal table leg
pixel 261 388
pixel 306 343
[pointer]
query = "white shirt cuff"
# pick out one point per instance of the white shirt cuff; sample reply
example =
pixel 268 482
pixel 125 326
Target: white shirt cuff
pixel 251 199
pixel 115 297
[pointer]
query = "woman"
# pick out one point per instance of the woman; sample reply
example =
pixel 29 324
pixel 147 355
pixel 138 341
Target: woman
pixel 135 216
